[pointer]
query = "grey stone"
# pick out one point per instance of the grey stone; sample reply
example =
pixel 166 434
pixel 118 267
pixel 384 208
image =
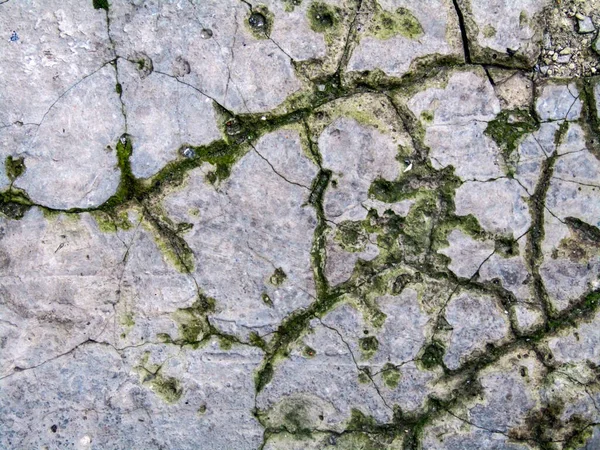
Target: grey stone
pixel 455 135
pixel 298 225
pixel 466 254
pixel 357 155
pixel 238 247
pixel 163 114
pixel 558 102
pixel 92 172
pixel 433 33
pixel 83 417
pixel 334 362
pixel 504 28
pixel 500 206
pixel 475 321
pixel 229 67
pixel 585 25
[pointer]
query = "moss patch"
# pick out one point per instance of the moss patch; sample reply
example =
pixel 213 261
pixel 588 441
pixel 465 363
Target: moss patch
pixel 100 4
pixel 385 24
pixel 192 323
pixel 368 346
pixel 391 376
pixel 323 17
pixel 15 167
pixel 507 130
pixel 278 277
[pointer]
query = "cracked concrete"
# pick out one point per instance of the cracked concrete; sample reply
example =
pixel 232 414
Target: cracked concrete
pixel 295 224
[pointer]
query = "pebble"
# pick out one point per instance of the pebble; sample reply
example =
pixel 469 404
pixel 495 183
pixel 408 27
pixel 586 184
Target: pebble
pixel 206 33
pixel 585 25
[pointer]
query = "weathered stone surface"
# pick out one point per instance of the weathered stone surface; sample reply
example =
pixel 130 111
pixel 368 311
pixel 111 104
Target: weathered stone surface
pixel 455 119
pixel 238 247
pixel 475 321
pixel 558 102
pixel 508 31
pixel 466 254
pixel 500 206
pixel 163 115
pixel 356 155
pixel 240 71
pixel 571 256
pixel 398 34
pixel 299 225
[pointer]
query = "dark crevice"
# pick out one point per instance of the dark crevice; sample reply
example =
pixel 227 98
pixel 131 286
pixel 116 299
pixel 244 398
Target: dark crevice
pixel 463 32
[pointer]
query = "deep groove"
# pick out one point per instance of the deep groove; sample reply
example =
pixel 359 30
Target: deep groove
pixel 463 32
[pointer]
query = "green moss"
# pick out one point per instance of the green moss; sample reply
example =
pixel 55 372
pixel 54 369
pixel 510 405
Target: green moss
pixel 523 18
pixel 489 31
pixel 257 341
pixel 507 130
pixel 363 378
pixel 127 320
pixel 168 388
pixel 432 355
pixel 323 17
pixel 295 415
pixel 507 247
pixel 278 277
pixel 291 4
pixel 118 88
pixel 128 186
pixel 14 204
pixel 264 376
pixel 100 4
pixel 15 167
pixel 110 222
pixel 391 376
pixel 386 25
pixel 226 342
pixel 368 346
pixel 192 323
pixel 427 116
pixel 351 236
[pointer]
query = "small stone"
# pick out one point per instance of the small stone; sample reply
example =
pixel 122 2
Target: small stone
pixel 571 66
pixel 206 33
pixel 188 152
pixel 555 57
pixel 257 21
pixel 566 51
pixel 585 25
pixel 563 59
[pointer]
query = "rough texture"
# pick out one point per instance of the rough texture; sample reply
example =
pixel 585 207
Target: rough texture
pixel 298 224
